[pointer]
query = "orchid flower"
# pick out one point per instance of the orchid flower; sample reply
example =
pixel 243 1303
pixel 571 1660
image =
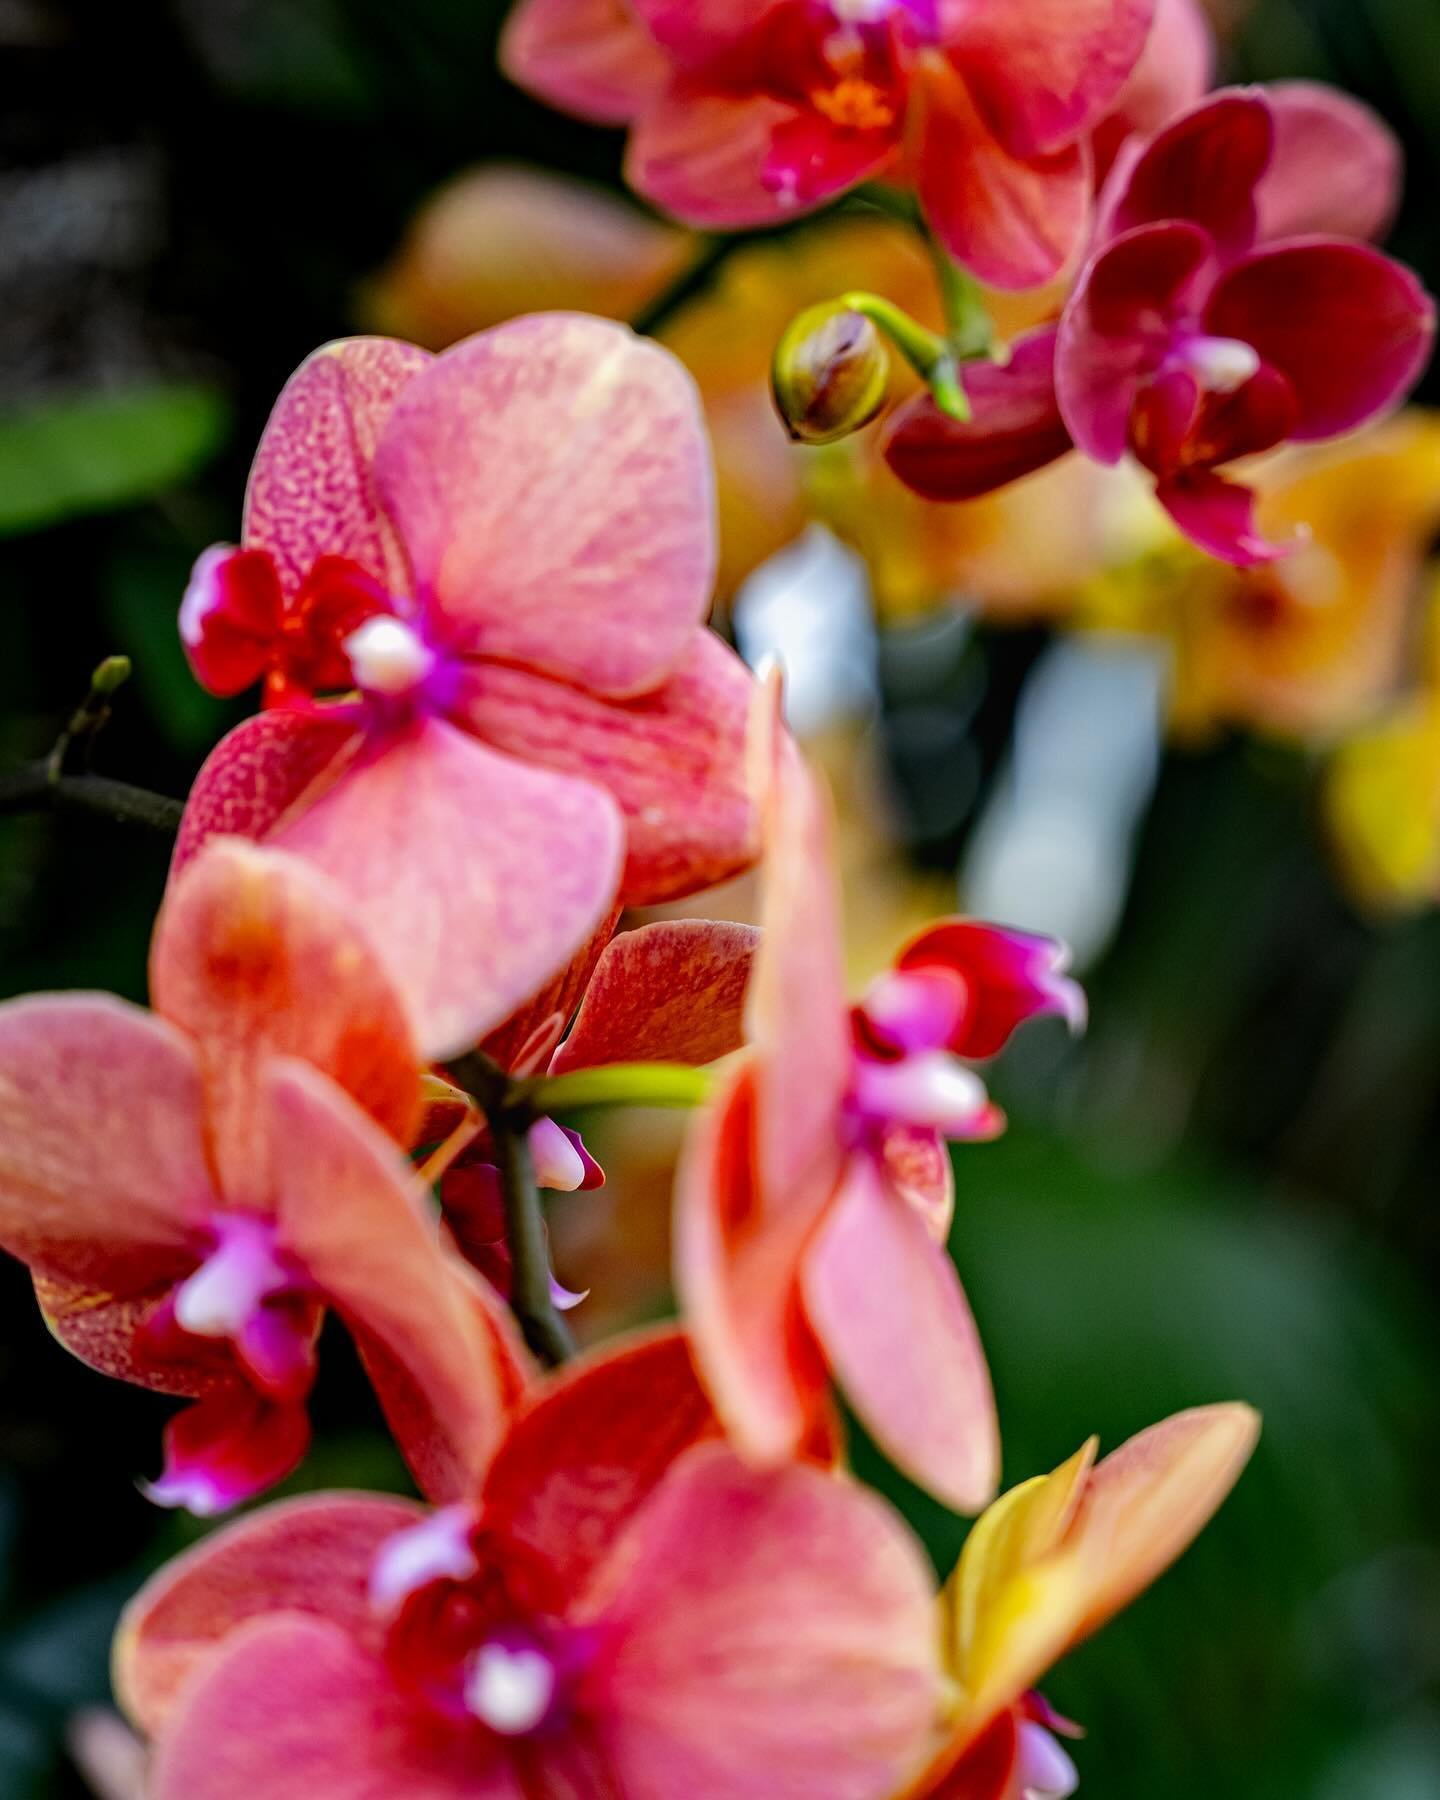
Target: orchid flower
pixel 623 1607
pixel 192 1188
pixel 1046 1567
pixel 475 586
pixel 815 1195
pixel 745 114
pixel 1228 306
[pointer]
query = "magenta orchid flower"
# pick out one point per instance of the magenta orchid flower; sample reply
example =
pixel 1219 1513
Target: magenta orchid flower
pixel 623 1608
pixel 1229 306
pixel 815 1195
pixel 475 585
pixel 747 112
pixel 193 1188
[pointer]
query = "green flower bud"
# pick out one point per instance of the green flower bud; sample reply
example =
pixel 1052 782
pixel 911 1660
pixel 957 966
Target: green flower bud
pixel 830 374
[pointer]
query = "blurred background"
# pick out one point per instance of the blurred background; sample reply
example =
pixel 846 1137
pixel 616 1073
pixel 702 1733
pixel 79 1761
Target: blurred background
pixel 1224 792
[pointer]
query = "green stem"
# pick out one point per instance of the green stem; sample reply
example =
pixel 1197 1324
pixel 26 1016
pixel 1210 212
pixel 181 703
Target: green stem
pixel 620 1084
pixel 970 329
pixel 932 357
pixel 35 788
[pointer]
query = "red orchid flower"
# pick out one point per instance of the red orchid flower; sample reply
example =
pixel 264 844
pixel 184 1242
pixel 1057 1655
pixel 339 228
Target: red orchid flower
pixel 746 112
pixel 1228 307
pixel 670 992
pixel 192 1188
pixel 622 1609
pixel 815 1194
pixel 475 585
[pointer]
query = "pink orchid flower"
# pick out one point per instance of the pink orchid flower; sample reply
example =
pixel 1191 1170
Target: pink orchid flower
pixel 624 1608
pixel 746 112
pixel 670 992
pixel 192 1188
pixel 815 1194
pixel 476 584
pixel 1229 306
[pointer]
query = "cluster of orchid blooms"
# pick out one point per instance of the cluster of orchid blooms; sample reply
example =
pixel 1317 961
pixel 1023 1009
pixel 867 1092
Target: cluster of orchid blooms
pixel 473 588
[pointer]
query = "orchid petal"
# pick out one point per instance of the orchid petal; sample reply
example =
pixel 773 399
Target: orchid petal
pixel 1219 516
pixel 918 1168
pixel 229 1447
pixel 1009 977
pixel 1014 427
pixel 231 617
pixel 526 1041
pixel 311 1555
pixel 103 1177
pixel 255 956
pixel 886 1304
pixel 1174 73
pixel 696 31
pixel 1042 71
pixel 467 937
pixel 127 1338
pixel 311 492
pixel 1348 327
pixel 774 1634
pixel 669 992
pixel 730 161
pixel 1337 168
pixel 349 1213
pixel 293 1708
pixel 552 482
pixel 673 760
pixel 592 58
pixel 1013 221
pixel 1203 168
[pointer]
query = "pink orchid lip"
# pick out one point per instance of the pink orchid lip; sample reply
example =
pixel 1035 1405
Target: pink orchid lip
pixel 919 1009
pixel 401 674
pixel 930 1089
pixel 1220 365
pixel 440 1548
pixel 244 1292
pixel 1045 1770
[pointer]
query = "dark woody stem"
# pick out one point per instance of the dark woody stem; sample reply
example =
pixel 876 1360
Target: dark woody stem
pixel 509 1117
pixel 692 280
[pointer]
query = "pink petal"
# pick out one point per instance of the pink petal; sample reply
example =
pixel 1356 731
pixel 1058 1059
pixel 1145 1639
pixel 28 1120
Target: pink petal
pixel 527 1039
pixel 728 160
pixel 1009 976
pixel 476 876
pixel 1015 427
pixel 887 1307
pixel 259 771
pixel 294 1708
pixel 1116 329
pixel 1013 221
pixel 352 1216
pixel 1219 516
pixel 1337 170
pixel 1204 167
pixel 696 31
pixel 669 992
pixel 1351 329
pixel 228 1448
pixel 311 492
pixel 737 1268
pixel 918 1168
pixel 773 1635
pixel 103 1178
pixel 589 1450
pixel 1175 72
pixel 674 760
pixel 552 482
pixel 588 57
pixel 255 956
pixel 312 1555
pixel 1042 71
pixel 118 1337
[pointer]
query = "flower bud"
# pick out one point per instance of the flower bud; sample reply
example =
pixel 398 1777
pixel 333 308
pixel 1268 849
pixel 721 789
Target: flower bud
pixel 830 374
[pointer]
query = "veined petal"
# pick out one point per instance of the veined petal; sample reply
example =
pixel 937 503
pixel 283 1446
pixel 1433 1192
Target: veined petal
pixel 1014 221
pixel 588 57
pixel 1350 329
pixel 293 1707
pixel 674 760
pixel 311 492
pixel 697 31
pixel 669 992
pixel 731 160
pixel 350 1213
pixel 1337 169
pixel 773 1634
pixel 103 1176
pixel 311 1555
pixel 1042 71
pixel 552 482
pixel 1203 168
pixel 887 1306
pixel 255 955
pixel 478 877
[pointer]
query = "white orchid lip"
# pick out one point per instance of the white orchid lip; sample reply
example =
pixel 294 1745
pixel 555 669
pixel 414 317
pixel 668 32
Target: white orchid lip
pixel 1221 365
pixel 233 1282
pixel 930 1089
pixel 388 657
pixel 437 1549
pixel 510 1687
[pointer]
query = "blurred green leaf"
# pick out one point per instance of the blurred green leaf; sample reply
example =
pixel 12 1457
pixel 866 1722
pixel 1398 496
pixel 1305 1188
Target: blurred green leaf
pixel 105 450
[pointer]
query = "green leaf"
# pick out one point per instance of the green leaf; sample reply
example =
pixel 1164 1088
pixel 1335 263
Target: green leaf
pixel 102 451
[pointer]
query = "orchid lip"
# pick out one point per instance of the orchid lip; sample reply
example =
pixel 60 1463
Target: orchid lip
pixel 511 1685
pixel 931 1089
pixel 202 594
pixel 388 658
pixel 234 1281
pixel 1221 365
pixel 439 1548
pixel 1046 1771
